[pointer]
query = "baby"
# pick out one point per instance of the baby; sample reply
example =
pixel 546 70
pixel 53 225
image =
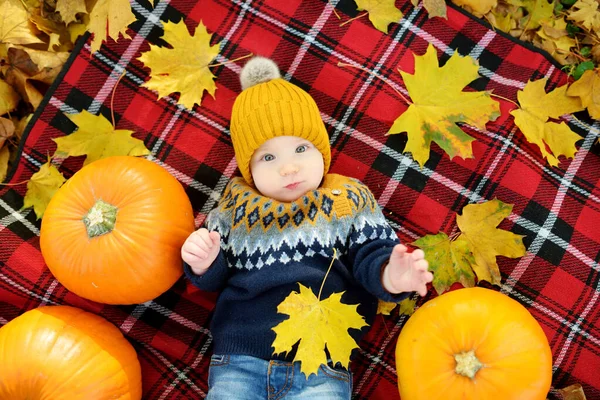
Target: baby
pixel 277 226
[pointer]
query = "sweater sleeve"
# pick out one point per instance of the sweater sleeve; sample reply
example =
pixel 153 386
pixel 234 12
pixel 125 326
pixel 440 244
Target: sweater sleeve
pixel 370 244
pixel 215 278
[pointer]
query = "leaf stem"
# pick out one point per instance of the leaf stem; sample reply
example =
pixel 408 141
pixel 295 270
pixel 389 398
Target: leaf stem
pixel 327 274
pixel 341 64
pixel 352 19
pixel 334 11
pixel 230 61
pixel 14 184
pixel 504 98
pixel 112 99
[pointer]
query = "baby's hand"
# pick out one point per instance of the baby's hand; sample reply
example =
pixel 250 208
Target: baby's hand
pixel 200 249
pixel 406 272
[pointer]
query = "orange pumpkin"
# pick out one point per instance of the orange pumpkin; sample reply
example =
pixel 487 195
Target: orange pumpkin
pixel 61 352
pixel 113 232
pixel 473 344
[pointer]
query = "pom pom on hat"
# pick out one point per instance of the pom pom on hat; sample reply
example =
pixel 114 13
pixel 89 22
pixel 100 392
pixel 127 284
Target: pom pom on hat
pixel 258 70
pixel 268 107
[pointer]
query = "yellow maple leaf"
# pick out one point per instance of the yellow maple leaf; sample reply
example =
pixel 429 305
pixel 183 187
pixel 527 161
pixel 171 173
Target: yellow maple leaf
pixel 439 104
pixel 477 7
pixel 316 323
pixel 474 249
pixel 184 68
pixel 41 187
pixel 536 107
pixel 407 307
pixel 587 14
pixel 381 12
pixel 68 9
pixel 109 17
pixel 96 138
pixel 478 224
pixel 587 88
pixel 14 24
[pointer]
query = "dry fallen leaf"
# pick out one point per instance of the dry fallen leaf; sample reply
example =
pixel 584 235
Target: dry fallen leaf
pixel 96 138
pixel 20 69
pixel 68 9
pixel 538 11
pixel 109 17
pixel 439 103
pixel 573 392
pixel 14 24
pixel 587 88
pixel 9 99
pixel 41 187
pixel 7 130
pixel 4 156
pixel 474 249
pixel 435 8
pixel 532 119
pixel 385 307
pixel 477 7
pixel 504 22
pixel 381 12
pixel 184 68
pixel 556 39
pixel 407 307
pixel 587 14
pixel 316 324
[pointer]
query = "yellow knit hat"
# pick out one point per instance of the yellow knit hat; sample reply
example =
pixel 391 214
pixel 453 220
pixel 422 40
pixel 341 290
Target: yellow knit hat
pixel 269 106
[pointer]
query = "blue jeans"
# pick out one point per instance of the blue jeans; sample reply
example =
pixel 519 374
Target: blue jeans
pixel 241 377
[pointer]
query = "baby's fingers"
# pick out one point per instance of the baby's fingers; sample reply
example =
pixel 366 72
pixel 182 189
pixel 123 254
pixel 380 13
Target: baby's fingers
pixel 202 238
pixel 418 254
pixel 421 265
pixel 215 238
pixel 195 248
pixel 428 277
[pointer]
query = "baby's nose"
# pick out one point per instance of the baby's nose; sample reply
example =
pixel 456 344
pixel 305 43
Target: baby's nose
pixel 288 169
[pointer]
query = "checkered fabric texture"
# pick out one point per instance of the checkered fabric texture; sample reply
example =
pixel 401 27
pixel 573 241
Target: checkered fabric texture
pixel 556 208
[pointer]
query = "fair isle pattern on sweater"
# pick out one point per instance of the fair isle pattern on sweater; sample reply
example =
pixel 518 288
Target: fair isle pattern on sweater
pixel 259 231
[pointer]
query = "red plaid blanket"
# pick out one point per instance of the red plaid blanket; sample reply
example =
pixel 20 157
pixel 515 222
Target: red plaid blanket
pixel 558 209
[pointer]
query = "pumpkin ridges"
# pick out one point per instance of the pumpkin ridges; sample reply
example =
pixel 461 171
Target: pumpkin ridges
pixel 153 210
pixel 46 345
pixel 460 316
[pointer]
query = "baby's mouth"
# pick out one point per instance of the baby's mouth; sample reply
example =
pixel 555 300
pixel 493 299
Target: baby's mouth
pixel 293 186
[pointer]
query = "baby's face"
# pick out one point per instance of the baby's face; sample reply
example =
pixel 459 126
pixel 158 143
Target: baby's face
pixel 286 167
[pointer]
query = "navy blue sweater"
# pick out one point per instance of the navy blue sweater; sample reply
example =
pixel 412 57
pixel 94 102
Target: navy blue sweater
pixel 268 247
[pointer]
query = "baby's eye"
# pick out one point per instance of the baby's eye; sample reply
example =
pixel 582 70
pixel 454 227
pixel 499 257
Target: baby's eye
pixel 301 149
pixel 268 157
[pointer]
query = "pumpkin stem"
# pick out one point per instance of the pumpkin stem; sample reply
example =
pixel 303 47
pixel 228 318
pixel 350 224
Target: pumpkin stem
pixel 100 219
pixel 467 364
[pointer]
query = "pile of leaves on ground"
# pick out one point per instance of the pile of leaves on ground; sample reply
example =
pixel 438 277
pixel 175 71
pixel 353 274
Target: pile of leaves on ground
pixel 36 37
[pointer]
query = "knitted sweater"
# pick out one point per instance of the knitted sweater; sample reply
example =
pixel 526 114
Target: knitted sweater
pixel 267 247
